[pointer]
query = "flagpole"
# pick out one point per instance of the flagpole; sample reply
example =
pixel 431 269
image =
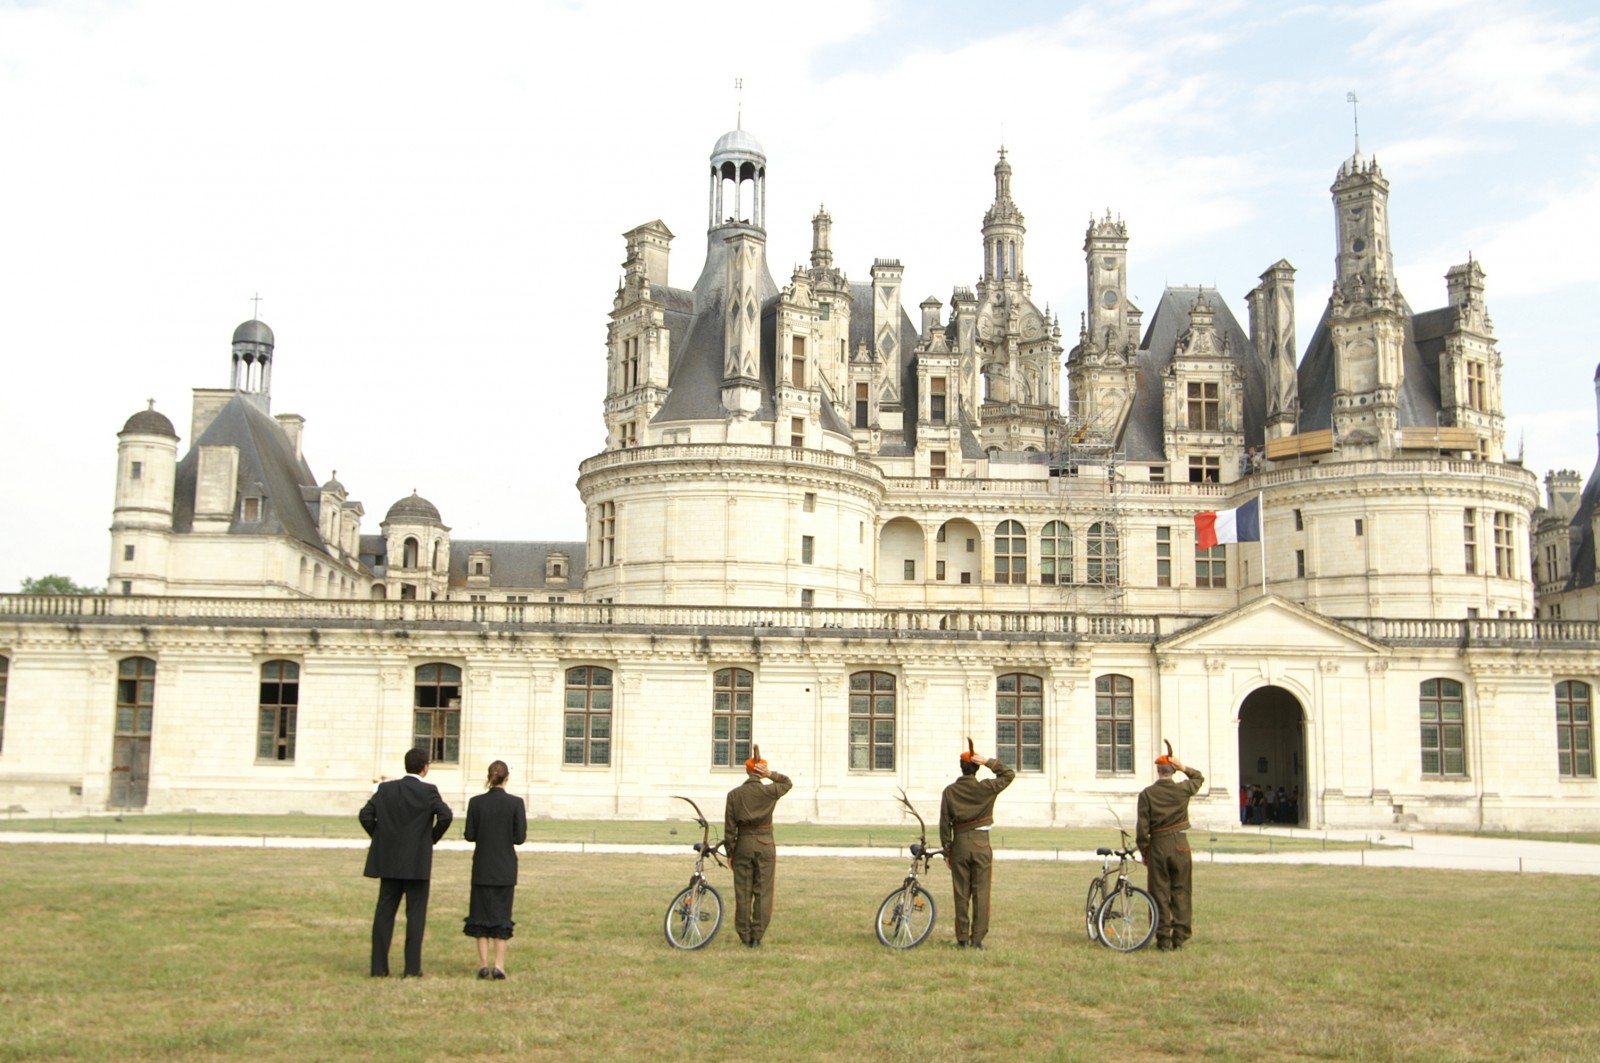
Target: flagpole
pixel 1261 505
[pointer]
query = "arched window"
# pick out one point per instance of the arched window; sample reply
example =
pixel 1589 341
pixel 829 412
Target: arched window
pixel 1444 748
pixel 436 713
pixel 1113 723
pixel 408 553
pixel 1019 720
pixel 872 721
pixel 1101 566
pixel 1574 727
pixel 732 693
pixel 277 708
pixel 587 733
pixel 1055 553
pixel 1010 553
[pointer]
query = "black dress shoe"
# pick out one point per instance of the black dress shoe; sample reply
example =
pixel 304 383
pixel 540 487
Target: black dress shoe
pixel 499 975
pixel 483 972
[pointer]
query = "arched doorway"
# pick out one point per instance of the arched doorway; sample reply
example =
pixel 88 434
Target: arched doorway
pixel 1272 753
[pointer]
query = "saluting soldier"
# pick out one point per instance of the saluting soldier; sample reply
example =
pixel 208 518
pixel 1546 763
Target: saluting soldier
pixel 966 813
pixel 1163 818
pixel 747 838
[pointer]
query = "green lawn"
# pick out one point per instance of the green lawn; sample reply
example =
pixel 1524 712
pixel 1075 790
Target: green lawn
pixel 656 832
pixel 133 953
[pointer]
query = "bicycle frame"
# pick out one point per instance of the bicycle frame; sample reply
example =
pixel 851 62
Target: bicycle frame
pixel 902 907
pixel 687 932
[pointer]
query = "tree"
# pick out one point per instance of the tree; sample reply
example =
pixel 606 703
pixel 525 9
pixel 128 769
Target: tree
pixel 53 584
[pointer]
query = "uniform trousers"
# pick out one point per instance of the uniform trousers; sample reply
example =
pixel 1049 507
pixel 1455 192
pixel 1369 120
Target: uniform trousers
pixel 971 874
pixel 755 880
pixel 1171 870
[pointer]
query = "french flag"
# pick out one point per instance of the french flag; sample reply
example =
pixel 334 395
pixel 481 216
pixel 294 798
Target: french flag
pixel 1242 525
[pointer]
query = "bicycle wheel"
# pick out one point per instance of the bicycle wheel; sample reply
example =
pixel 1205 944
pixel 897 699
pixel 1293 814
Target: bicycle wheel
pixel 694 917
pixel 1091 908
pixel 1128 919
pixel 905 918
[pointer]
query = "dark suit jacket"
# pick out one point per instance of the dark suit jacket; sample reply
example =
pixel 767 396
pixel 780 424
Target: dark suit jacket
pixel 496 822
pixel 404 818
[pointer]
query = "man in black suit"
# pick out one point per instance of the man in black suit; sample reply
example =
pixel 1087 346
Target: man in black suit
pixel 404 817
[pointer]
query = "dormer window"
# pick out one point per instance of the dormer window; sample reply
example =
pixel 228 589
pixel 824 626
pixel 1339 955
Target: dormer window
pixel 250 511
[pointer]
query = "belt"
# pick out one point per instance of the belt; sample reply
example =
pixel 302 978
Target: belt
pixel 1171 827
pixel 755 826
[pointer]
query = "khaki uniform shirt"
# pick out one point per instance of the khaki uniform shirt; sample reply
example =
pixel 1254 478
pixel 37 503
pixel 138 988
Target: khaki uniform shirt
pixel 1164 806
pixel 968 802
pixel 750 805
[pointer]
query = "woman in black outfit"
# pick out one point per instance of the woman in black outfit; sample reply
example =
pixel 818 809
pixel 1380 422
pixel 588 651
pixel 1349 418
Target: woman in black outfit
pixel 497 822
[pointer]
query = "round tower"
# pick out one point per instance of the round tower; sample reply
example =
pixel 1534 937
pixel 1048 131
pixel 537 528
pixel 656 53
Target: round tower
pixel 738 159
pixel 252 358
pixel 141 517
pixel 417 545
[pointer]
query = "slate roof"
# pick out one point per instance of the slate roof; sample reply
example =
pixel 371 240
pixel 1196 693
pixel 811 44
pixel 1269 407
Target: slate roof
pixel 268 468
pixel 1419 391
pixel 1143 437
pixel 515 565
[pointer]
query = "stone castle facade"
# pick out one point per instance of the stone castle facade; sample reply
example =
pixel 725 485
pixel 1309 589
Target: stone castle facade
pixel 857 538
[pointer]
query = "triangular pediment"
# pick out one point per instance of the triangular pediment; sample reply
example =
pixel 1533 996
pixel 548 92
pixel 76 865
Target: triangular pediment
pixel 1274 624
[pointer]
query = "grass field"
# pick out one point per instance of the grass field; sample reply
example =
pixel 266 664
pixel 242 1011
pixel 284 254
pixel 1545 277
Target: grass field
pixel 657 832
pixel 132 953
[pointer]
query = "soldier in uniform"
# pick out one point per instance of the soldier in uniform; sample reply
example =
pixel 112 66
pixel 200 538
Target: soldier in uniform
pixel 1163 818
pixel 965 815
pixel 747 838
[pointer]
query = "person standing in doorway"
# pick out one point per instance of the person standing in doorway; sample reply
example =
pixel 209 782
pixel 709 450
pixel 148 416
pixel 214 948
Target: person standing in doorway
pixel 497 822
pixel 1163 818
pixel 747 838
pixel 405 818
pixel 966 813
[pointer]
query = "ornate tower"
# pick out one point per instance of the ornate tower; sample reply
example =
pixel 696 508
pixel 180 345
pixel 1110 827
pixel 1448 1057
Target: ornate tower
pixel 1272 334
pixel 638 339
pixel 1102 368
pixel 1365 316
pixel 738 218
pixel 1469 367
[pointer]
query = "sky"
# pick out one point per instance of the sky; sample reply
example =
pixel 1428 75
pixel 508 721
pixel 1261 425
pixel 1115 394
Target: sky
pixel 429 200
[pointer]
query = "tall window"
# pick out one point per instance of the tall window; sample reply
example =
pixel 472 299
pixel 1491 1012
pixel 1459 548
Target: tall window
pixel 797 362
pixel 1204 408
pixel 1475 388
pixel 5 670
pixel 1010 553
pixel 1211 566
pixel 936 464
pixel 1164 557
pixel 436 712
pixel 1101 564
pixel 606 532
pixel 587 735
pixel 936 400
pixel 862 396
pixel 872 698
pixel 1443 737
pixel 275 718
pixel 1113 723
pixel 732 690
pixel 1469 540
pixel 1504 551
pixel 1574 728
pixel 808 546
pixel 1019 720
pixel 797 431
pixel 1552 562
pixel 1055 553
pixel 136 695
pixel 408 554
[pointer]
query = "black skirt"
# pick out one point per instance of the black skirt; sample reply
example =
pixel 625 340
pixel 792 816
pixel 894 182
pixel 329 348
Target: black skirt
pixel 489 914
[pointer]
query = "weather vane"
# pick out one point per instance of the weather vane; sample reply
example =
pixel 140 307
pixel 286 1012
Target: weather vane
pixel 738 87
pixel 255 313
pixel 1355 117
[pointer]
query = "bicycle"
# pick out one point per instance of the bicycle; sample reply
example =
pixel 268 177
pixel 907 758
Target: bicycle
pixel 1118 914
pixel 905 918
pixel 695 914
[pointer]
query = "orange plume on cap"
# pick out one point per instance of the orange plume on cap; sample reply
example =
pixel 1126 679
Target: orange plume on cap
pixel 969 756
pixel 1167 758
pixel 755 763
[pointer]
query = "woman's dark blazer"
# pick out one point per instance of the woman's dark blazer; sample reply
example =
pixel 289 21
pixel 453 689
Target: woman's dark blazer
pixel 496 822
